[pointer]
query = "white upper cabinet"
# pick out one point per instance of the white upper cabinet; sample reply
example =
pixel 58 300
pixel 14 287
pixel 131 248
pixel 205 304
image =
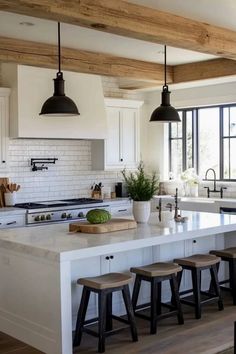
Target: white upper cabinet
pixel 4 125
pixel 31 87
pixel 121 148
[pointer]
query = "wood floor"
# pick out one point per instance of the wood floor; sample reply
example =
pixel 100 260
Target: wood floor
pixel 212 334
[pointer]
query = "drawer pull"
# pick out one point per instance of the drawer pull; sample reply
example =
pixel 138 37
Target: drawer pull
pixel 119 211
pixel 11 223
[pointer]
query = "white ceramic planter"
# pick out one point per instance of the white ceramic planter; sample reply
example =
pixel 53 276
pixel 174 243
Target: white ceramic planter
pixel 141 211
pixel 10 198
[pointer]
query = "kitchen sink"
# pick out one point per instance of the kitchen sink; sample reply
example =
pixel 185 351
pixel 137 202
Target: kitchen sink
pixel 197 200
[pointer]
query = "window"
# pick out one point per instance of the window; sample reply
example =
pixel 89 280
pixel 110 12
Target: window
pixel 205 138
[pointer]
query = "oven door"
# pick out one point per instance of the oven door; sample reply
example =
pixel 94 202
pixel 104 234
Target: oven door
pixel 228 211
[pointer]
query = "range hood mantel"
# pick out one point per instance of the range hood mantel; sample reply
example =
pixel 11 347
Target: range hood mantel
pixel 30 88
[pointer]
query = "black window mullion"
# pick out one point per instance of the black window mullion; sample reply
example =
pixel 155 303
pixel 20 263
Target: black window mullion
pixel 184 142
pixel 196 140
pixel 170 160
pixel 221 122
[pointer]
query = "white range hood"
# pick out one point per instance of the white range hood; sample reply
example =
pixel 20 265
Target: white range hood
pixel 31 86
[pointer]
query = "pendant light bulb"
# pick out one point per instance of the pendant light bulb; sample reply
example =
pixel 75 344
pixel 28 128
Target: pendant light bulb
pixel 165 113
pixel 59 104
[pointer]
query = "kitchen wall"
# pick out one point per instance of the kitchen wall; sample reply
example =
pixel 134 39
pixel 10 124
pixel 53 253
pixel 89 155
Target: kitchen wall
pixel 155 150
pixel 71 176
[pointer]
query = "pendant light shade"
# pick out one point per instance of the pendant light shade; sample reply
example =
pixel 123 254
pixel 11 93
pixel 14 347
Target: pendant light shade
pixel 59 104
pixel 165 112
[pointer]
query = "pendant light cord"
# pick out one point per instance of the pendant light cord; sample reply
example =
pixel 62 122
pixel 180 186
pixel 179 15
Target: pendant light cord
pixel 59 47
pixel 165 85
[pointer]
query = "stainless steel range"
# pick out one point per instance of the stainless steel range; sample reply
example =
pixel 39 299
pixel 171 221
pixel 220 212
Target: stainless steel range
pixel 60 210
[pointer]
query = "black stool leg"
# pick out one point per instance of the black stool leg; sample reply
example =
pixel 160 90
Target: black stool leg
pixel 215 283
pixel 196 291
pixel 81 316
pixel 211 289
pixel 101 320
pixel 130 312
pixel 109 312
pixel 176 299
pixel 153 317
pixel 159 298
pixel 232 277
pixel 136 290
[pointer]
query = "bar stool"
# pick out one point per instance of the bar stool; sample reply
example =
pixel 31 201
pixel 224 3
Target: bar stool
pixel 196 264
pixel 104 286
pixel 228 255
pixel 156 273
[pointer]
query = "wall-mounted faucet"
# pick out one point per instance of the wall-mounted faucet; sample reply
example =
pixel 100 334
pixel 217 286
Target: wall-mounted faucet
pixel 41 161
pixel 214 190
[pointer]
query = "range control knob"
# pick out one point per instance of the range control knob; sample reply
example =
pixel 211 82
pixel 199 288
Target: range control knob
pixel 81 215
pixel 63 215
pixel 42 217
pixel 69 216
pixel 48 217
pixel 37 218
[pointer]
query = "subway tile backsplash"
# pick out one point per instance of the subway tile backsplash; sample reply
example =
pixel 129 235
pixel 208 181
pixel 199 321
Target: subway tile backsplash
pixel 70 177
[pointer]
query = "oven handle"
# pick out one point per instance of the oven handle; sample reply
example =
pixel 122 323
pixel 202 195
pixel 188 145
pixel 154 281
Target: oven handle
pixel 228 210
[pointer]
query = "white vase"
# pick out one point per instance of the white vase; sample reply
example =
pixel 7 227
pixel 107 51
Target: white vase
pixel 194 190
pixel 141 211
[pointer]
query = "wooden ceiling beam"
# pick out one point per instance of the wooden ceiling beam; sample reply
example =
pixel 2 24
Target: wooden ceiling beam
pixel 210 69
pixel 45 55
pixel 131 20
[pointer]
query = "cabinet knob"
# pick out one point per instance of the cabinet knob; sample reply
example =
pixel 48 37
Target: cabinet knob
pixel 194 241
pixel 107 258
pixel 3 161
pixel 111 257
pixel 121 160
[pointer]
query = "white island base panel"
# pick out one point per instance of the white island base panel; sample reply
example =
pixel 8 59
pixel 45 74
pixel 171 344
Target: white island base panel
pixel 39 267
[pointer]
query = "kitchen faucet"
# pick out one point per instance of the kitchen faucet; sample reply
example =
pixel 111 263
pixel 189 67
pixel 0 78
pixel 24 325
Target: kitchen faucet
pixel 214 190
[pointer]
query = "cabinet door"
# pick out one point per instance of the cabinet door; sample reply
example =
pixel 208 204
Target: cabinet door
pixel 121 146
pixel 122 262
pixel 129 138
pixel 201 245
pixel 113 143
pixel 88 267
pixel 4 118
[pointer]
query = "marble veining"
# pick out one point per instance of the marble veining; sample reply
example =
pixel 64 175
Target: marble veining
pixel 56 243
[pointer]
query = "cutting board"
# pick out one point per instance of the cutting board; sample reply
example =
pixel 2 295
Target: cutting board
pixel 110 226
pixel 3 181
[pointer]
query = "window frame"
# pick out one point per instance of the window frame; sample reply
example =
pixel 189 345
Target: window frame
pixel 195 138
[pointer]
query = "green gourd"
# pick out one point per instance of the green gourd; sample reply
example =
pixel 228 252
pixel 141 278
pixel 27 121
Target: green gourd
pixel 98 216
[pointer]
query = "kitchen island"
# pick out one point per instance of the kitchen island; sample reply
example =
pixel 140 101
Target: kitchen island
pixel 40 265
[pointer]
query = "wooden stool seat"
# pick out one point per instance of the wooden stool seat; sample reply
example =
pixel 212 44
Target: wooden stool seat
pixel 198 260
pixel 104 286
pixel 196 264
pixel 228 252
pixel 154 274
pixel 157 269
pixel 228 255
pixel 106 281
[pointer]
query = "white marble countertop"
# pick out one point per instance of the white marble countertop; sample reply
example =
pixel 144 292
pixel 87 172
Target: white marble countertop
pixel 54 242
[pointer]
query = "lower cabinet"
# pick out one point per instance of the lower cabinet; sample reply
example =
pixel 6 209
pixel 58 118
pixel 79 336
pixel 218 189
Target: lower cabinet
pixel 122 262
pixel 122 209
pixel 8 222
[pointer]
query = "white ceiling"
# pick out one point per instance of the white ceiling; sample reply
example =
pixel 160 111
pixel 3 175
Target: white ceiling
pixel 218 12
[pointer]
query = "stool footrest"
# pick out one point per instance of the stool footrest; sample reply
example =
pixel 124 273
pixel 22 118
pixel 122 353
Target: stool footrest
pixel 120 319
pixel 224 281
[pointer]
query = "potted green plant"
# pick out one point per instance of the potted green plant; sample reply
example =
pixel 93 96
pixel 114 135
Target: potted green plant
pixel 141 187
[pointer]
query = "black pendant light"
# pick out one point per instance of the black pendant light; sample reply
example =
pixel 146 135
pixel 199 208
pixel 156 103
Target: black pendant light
pixel 59 104
pixel 165 112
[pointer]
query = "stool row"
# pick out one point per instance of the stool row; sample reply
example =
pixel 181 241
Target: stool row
pixel 105 285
